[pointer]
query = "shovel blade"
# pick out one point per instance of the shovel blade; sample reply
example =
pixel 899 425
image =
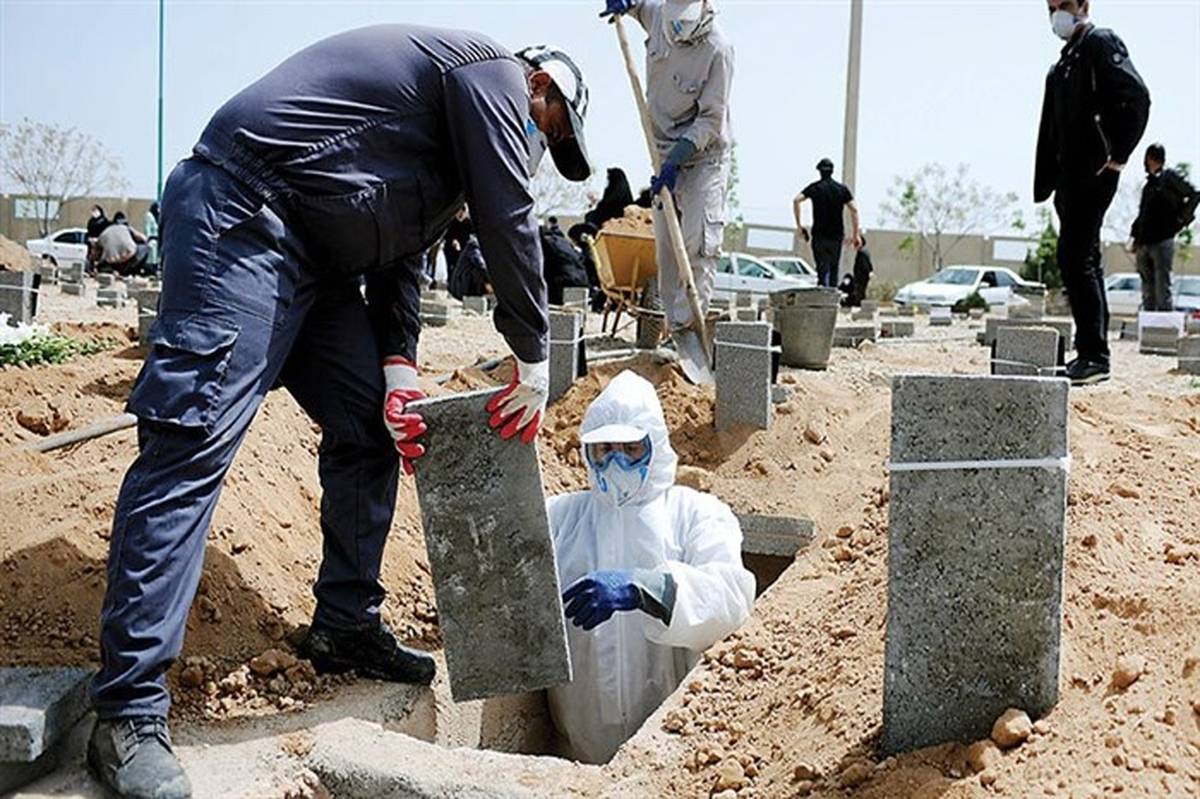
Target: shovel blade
pixel 692 358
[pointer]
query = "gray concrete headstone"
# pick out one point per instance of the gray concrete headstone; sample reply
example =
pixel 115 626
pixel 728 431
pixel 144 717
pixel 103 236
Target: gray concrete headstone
pixel 74 289
pixel 565 332
pixel 71 272
pixel 1189 355
pixel 852 335
pixel 975 563
pixel 780 536
pixel 146 299
pixel 436 313
pixel 575 296
pixel 491 554
pixel 746 314
pixel 146 320
pixel 743 375
pixel 1028 351
pixel 1159 341
pixel 906 310
pixel 862 315
pixel 18 297
pixel 1065 328
pixel 476 305
pixel 897 328
pixel 38 707
pixel 870 306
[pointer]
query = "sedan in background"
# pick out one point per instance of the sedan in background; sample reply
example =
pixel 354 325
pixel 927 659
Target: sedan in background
pixel 794 266
pixel 1187 295
pixel 738 271
pixel 955 283
pixel 1124 292
pixel 61 246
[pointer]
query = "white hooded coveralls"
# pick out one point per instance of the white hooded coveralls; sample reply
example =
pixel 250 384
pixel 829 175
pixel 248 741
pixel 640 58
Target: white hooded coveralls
pixel 628 665
pixel 687 90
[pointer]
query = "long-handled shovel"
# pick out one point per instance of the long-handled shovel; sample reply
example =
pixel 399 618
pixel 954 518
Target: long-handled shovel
pixel 692 343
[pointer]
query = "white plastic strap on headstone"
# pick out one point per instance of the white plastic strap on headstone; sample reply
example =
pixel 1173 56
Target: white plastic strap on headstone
pixel 1063 463
pixel 572 342
pixel 21 289
pixel 1041 370
pixel 1189 358
pixel 754 347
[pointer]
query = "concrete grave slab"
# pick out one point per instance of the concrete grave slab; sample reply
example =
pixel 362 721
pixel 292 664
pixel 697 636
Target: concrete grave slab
pixel 566 350
pixel 770 544
pixel 488 537
pixel 975 568
pixel 897 328
pixel 1028 351
pixel 38 707
pixel 862 315
pixel 869 306
pixel 940 316
pixel 74 289
pixel 906 310
pixel 18 296
pixel 437 313
pixel 743 374
pixel 852 335
pixel 476 305
pixel 146 320
pixel 744 299
pixel 105 279
pixel 746 314
pixel 1189 355
pixel 1158 340
pixel 1065 328
pixel 71 272
pixel 146 299
pixel 576 296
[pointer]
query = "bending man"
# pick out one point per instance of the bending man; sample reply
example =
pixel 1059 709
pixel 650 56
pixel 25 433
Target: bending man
pixel 289 199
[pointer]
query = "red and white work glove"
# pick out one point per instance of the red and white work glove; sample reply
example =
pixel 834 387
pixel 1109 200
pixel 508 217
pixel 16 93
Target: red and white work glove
pixel 519 408
pixel 401 388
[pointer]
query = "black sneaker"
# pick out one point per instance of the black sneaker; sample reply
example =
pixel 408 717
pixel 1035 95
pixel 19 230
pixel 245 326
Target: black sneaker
pixel 134 760
pixel 1087 373
pixel 373 653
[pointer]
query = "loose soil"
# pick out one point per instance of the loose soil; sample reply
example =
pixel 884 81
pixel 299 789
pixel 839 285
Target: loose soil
pixel 788 706
pixel 13 256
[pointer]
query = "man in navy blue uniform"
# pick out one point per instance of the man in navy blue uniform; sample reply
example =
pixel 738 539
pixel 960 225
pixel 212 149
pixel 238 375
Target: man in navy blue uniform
pixel 338 166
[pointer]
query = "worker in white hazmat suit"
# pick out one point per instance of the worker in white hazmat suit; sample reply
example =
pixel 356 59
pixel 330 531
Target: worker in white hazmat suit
pixel 653 573
pixel 689 75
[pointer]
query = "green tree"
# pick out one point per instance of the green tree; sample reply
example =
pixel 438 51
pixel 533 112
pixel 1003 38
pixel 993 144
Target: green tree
pixel 1187 237
pixel 1041 264
pixel 733 200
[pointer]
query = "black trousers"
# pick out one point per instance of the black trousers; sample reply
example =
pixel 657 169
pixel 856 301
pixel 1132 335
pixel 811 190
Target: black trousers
pixel 1081 203
pixel 827 252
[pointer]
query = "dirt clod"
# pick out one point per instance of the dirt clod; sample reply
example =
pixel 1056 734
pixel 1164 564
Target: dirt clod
pixel 1012 728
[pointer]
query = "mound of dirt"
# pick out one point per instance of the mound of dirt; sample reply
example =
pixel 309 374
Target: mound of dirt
pixel 13 257
pixel 637 220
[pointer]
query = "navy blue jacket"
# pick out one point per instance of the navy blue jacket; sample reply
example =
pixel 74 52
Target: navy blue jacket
pixel 372 139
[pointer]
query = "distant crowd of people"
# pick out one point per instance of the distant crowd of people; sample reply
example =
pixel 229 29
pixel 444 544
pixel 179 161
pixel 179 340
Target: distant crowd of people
pixel 115 246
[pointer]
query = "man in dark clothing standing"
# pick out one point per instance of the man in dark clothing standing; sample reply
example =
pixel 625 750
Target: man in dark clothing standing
pixel 290 199
pixel 1094 112
pixel 564 265
pixel 829 198
pixel 457 235
pixel 1167 201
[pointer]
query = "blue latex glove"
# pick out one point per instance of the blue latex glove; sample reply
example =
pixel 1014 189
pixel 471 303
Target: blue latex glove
pixel 594 598
pixel 664 179
pixel 615 7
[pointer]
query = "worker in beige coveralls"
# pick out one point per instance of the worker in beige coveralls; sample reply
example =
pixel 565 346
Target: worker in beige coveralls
pixel 689 73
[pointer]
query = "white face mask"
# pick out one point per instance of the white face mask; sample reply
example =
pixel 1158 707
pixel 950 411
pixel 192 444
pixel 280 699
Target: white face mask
pixel 618 479
pixel 1063 23
pixel 537 146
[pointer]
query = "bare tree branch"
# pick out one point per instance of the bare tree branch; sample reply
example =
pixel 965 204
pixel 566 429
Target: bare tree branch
pixel 554 194
pixel 54 165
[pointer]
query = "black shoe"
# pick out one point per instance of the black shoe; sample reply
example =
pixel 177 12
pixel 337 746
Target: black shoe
pixel 1087 373
pixel 134 760
pixel 373 653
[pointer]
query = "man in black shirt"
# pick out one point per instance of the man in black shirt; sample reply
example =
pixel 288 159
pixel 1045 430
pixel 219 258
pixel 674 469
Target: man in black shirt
pixel 1165 198
pixel 828 230
pixel 1095 111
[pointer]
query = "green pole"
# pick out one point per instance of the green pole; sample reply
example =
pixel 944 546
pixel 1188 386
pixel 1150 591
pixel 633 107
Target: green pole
pixel 158 191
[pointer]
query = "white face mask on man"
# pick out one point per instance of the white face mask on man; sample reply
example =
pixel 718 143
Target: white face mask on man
pixel 1064 23
pixel 537 146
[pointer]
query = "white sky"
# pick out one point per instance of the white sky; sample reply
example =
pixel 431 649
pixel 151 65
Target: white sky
pixel 943 80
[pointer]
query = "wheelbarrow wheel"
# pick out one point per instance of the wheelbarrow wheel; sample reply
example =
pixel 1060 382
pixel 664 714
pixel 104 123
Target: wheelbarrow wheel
pixel 649 328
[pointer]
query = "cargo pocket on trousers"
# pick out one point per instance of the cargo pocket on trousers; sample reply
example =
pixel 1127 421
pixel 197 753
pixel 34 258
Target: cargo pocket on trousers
pixel 713 233
pixel 184 376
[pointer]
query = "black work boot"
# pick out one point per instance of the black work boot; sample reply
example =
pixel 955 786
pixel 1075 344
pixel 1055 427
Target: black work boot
pixel 1083 372
pixel 373 653
pixel 134 760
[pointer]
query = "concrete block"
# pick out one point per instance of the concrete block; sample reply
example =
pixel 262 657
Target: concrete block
pixel 71 272
pixel 566 350
pixel 746 314
pixel 38 706
pixel 976 313
pixel 779 536
pixel 491 554
pixel 1191 326
pixel 1065 328
pixel 975 566
pixel 146 298
pixel 897 328
pixel 112 297
pixel 744 299
pixel 1189 355
pixel 720 304
pixel 743 374
pixel 906 310
pixel 18 296
pixel 137 284
pixel 74 289
pixel 146 320
pixel 105 279
pixel 1158 340
pixel 436 313
pixel 869 306
pixel 476 305
pixel 852 335
pixel 940 316
pixel 860 315
pixel 1028 351
pixel 576 296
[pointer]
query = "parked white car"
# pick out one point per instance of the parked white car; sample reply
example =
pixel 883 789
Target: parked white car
pixel 1124 292
pixel 1187 295
pixel 954 283
pixel 61 246
pixel 740 272
pixel 794 266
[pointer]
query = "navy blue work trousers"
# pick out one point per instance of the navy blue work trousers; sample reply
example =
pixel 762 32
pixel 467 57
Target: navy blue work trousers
pixel 242 309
